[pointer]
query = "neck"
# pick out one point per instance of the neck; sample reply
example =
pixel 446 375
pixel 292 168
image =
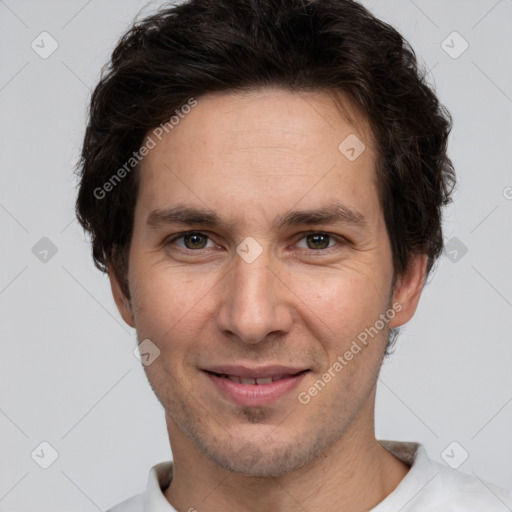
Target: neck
pixel 354 474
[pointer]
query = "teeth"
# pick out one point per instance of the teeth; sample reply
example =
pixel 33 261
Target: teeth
pixel 264 380
pixel 260 381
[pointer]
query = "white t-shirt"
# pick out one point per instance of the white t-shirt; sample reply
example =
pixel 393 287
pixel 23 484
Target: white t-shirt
pixel 427 487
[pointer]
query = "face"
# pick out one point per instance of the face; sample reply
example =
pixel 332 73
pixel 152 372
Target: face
pixel 260 250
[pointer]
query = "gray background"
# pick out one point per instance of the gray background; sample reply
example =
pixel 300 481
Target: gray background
pixel 68 375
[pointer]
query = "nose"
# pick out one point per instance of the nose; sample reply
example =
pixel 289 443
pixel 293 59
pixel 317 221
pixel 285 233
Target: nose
pixel 256 301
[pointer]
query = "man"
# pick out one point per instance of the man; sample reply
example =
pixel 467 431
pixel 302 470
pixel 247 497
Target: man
pixel 263 181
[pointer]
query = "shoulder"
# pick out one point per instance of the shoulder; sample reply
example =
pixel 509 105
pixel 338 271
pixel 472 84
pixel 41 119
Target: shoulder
pixel 152 498
pixel 469 492
pixel 430 486
pixel 133 504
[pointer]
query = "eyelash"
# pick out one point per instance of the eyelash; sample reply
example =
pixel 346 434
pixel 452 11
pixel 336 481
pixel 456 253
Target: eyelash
pixel 339 240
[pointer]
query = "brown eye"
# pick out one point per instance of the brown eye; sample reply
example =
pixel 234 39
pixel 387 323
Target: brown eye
pixel 195 240
pixel 318 241
pixel 192 241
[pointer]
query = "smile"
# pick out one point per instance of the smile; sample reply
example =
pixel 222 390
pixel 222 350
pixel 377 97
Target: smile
pixel 254 388
pixel 259 381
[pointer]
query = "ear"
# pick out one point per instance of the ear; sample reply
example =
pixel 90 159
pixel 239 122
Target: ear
pixel 122 302
pixel 408 290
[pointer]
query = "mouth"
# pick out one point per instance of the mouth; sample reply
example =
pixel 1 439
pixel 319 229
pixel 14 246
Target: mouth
pixel 254 386
pixel 259 381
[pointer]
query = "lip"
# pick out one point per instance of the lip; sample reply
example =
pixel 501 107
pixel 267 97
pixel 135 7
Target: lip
pixel 247 372
pixel 255 395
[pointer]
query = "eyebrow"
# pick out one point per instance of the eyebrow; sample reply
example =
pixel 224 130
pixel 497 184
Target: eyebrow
pixel 188 215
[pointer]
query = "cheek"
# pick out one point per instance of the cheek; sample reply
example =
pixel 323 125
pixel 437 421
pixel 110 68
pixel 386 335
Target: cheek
pixel 341 303
pixel 160 299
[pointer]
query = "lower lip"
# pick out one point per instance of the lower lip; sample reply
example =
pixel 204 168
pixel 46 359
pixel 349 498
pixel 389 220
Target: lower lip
pixel 255 395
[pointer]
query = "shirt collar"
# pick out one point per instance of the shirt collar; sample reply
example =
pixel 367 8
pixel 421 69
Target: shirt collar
pixel 422 471
pixel 159 479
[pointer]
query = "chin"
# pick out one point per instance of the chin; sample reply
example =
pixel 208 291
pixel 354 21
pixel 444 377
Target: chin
pixel 262 459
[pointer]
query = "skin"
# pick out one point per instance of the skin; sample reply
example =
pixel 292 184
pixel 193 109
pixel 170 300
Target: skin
pixel 251 158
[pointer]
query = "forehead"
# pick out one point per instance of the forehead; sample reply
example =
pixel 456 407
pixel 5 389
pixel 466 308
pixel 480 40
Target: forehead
pixel 262 148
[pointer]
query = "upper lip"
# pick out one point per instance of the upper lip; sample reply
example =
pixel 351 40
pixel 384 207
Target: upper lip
pixel 259 372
